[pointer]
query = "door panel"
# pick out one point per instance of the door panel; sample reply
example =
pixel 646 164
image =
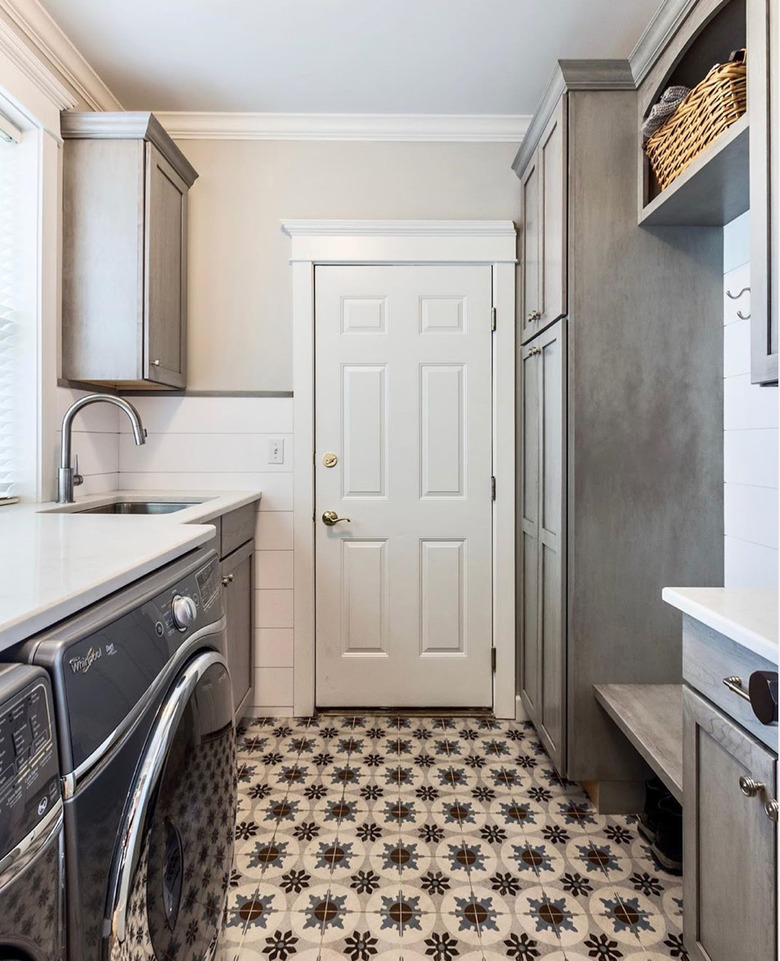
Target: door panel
pixel 530 232
pixel 553 164
pixel 529 532
pixel 551 360
pixel 165 280
pixel 403 398
pixel 730 880
pixel 238 570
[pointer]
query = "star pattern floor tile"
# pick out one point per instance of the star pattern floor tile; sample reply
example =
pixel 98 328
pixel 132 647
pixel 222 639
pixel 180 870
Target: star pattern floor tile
pixel 393 838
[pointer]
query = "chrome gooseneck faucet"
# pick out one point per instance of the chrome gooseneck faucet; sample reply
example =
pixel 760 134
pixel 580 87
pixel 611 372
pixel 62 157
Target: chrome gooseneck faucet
pixel 66 476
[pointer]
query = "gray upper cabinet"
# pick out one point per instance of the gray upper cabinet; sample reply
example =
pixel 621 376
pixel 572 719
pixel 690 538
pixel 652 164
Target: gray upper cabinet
pixel 124 303
pixel 543 228
pixel 730 880
pixel 763 25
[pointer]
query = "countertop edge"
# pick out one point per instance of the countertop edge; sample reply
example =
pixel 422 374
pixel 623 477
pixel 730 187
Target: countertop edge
pixel 684 599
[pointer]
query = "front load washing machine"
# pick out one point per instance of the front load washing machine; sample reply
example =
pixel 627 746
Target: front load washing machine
pixel 31 902
pixel 147 747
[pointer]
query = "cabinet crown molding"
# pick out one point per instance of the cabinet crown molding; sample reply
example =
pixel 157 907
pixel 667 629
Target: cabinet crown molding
pixel 571 75
pixel 665 23
pixel 128 125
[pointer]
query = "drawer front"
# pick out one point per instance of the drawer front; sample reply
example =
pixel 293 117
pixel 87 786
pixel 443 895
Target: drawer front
pixel 708 658
pixel 238 527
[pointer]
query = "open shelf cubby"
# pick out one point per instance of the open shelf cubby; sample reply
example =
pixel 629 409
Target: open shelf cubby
pixel 715 188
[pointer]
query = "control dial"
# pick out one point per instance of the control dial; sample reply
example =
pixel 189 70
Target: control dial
pixel 763 696
pixel 184 611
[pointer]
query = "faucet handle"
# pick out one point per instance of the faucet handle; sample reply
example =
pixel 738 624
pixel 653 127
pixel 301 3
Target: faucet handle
pixel 77 478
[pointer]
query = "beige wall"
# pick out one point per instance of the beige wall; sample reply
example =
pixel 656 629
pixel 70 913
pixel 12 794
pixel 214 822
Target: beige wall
pixel 239 314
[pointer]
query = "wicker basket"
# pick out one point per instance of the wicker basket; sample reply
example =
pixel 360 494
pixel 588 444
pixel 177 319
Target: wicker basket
pixel 710 108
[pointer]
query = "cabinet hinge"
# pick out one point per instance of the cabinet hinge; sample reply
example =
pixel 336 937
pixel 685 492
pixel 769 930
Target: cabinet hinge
pixel 492 318
pixel 492 488
pixel 493 659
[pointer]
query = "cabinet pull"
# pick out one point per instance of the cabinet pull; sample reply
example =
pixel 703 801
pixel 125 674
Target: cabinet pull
pixel 750 787
pixel 734 683
pixel 227 579
pixel 535 315
pixel 772 810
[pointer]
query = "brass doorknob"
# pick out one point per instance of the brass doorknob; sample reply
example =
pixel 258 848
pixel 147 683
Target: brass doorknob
pixel 331 518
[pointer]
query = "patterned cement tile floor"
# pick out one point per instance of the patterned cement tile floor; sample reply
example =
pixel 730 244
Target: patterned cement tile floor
pixel 432 839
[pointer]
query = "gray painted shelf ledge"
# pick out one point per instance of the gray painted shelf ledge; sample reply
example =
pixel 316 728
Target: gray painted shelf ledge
pixel 650 715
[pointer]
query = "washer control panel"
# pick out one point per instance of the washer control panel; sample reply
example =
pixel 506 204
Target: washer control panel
pixel 29 772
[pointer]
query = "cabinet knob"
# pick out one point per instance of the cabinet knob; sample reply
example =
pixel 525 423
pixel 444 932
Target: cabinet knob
pixel 772 810
pixel 156 363
pixel 535 315
pixel 749 787
pixel 227 579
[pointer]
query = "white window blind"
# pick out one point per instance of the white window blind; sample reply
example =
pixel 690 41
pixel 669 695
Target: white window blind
pixel 10 333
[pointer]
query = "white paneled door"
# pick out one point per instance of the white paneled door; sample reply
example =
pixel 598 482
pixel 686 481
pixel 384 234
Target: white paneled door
pixel 403 416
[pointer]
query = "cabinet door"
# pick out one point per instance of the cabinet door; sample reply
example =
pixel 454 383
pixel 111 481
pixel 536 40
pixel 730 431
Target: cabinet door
pixel 552 540
pixel 238 580
pixel 165 272
pixel 528 533
pixel 553 166
pixel 530 237
pixel 730 845
pixel 542 538
pixel 764 106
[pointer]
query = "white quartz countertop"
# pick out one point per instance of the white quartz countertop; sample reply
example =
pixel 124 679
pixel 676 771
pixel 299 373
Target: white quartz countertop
pixel 55 561
pixel 749 616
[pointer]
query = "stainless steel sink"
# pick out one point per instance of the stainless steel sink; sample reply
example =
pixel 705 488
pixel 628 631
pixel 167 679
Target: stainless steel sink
pixel 139 507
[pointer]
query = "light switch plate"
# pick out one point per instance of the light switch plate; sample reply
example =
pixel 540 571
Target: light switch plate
pixel 276 451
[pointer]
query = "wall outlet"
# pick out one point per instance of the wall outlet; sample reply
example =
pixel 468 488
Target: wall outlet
pixel 276 451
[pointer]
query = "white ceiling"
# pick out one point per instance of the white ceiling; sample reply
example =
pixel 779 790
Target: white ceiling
pixel 343 56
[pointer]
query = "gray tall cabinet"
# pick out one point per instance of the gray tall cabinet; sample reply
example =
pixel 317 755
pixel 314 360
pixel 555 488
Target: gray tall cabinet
pixel 620 419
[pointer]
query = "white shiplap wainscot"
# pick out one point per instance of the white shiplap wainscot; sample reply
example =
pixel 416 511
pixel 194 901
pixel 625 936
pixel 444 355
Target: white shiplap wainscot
pixel 95 443
pixel 750 422
pixel 221 443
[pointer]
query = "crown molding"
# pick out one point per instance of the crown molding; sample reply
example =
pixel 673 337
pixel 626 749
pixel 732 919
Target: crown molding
pixel 46 38
pixel 664 25
pixel 571 75
pixel 31 66
pixel 430 128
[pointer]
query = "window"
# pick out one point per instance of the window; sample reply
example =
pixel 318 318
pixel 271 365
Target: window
pixel 11 336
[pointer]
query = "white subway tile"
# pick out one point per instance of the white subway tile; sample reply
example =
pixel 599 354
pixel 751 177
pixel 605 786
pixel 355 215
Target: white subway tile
pixel 750 457
pixel 214 415
pixel 735 282
pixel 274 647
pixel 749 565
pixel 747 406
pixel 274 570
pixel 226 453
pixel 736 348
pixel 273 608
pixel 274 531
pixel 273 687
pixel 257 710
pixel 277 489
pixel 750 513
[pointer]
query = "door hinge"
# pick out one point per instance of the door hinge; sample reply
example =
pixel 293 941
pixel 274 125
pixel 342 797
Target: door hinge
pixel 492 318
pixel 493 659
pixel 492 488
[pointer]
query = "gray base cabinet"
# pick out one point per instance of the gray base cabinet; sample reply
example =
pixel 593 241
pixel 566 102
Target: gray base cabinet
pixel 238 581
pixel 124 287
pixel 730 879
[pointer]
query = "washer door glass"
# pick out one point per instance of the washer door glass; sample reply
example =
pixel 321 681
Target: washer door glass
pixel 176 902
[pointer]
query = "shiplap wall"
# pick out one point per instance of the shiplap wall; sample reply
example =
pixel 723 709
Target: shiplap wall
pixel 221 443
pixel 95 439
pixel 750 422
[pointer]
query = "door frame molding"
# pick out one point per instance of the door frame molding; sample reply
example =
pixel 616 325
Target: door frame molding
pixel 387 243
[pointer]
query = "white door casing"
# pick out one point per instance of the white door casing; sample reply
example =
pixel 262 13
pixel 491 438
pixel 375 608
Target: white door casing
pixel 403 399
pixel 404 242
